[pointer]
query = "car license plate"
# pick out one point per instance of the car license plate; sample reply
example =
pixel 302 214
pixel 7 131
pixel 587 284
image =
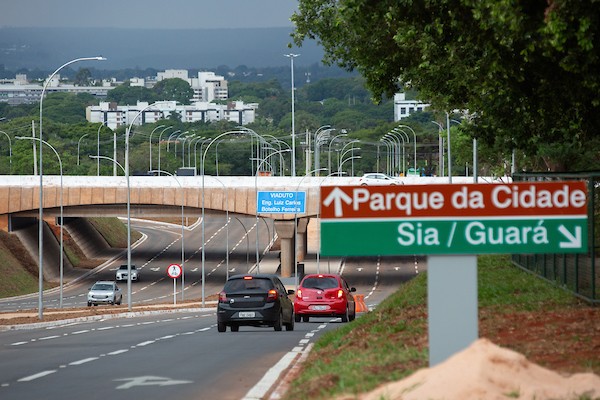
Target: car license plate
pixel 319 308
pixel 246 314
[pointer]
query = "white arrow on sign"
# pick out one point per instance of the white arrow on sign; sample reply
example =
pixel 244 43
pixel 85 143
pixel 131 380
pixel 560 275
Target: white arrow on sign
pixel 149 381
pixel 336 196
pixel 573 241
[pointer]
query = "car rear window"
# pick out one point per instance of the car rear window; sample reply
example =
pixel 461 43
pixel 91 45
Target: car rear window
pixel 320 283
pixel 236 285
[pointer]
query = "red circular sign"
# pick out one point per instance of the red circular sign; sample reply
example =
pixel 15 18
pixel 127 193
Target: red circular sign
pixel 174 271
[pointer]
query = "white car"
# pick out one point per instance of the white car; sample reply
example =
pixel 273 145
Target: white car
pixel 378 179
pixel 122 273
pixel 104 292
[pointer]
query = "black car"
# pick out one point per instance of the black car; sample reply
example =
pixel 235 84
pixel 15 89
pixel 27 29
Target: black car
pixel 255 300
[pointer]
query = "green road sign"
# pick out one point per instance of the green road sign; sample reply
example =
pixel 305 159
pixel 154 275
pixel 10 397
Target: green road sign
pixel 453 236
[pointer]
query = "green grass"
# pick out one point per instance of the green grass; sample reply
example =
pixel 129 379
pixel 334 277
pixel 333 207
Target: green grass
pixel 390 342
pixel 20 272
pixel 114 231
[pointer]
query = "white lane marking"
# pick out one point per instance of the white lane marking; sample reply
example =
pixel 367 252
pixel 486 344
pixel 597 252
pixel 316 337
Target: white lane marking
pixel 85 360
pixel 49 337
pixel 117 352
pixel 272 375
pixel 36 376
pixel 105 328
pixel 146 343
pixel 18 343
pixel 79 332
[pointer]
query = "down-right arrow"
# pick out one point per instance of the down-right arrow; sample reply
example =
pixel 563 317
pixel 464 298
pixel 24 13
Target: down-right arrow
pixel 573 241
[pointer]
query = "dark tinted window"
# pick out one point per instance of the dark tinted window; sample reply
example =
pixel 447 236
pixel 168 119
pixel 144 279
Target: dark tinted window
pixel 236 285
pixel 320 283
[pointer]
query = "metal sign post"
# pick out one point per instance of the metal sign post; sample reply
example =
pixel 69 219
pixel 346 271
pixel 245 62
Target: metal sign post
pixel 174 271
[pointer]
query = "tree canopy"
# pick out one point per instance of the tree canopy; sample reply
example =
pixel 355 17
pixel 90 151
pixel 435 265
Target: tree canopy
pixel 527 72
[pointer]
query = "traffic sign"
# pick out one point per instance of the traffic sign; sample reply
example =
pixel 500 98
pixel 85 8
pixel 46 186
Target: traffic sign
pixel 174 271
pixel 524 217
pixel 281 202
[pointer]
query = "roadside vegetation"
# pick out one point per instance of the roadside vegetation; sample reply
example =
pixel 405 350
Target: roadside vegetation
pixel 19 270
pixel 391 342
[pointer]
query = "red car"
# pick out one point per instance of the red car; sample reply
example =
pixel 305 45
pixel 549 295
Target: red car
pixel 324 295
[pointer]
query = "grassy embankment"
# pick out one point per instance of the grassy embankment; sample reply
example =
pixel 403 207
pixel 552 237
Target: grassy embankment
pixel 19 270
pixel 390 342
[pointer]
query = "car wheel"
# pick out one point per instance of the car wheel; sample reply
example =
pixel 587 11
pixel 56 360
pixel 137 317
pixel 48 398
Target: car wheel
pixel 235 328
pixel 277 324
pixel 290 325
pixel 119 302
pixel 221 327
pixel 345 316
pixel 89 304
pixel 305 318
pixel 352 316
pixel 112 303
pixel 297 317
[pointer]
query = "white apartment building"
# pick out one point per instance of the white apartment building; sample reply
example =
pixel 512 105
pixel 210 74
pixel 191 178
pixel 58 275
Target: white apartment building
pixel 207 86
pixel 404 108
pixel 114 116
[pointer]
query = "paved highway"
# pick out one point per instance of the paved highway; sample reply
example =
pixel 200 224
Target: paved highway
pixel 160 247
pixel 177 355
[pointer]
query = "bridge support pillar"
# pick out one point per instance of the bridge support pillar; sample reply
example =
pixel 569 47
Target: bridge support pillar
pixel 302 238
pixel 285 230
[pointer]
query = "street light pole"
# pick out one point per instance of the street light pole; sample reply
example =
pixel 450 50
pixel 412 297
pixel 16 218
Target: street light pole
pixel 291 56
pixel 61 260
pixel 182 229
pixel 9 153
pixel 41 197
pixel 150 145
pixel 256 197
pixel 126 170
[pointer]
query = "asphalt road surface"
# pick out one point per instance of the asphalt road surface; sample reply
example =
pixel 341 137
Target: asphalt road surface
pixel 174 355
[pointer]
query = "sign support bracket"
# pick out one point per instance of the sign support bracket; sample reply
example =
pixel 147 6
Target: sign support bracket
pixel 452 305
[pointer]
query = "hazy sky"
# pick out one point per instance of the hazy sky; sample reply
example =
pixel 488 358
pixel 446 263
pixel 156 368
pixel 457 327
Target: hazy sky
pixel 155 14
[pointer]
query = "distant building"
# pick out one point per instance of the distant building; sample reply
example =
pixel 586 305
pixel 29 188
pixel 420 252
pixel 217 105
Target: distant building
pixel 207 86
pixel 20 91
pixel 114 116
pixel 404 108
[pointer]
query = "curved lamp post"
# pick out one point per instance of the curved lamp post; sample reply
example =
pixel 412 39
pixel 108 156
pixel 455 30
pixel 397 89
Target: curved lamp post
pixel 79 144
pixel 415 143
pixel 126 169
pixel 159 141
pixel 182 228
pixel 9 153
pixel 150 146
pixel 203 159
pixel 321 136
pixel 61 210
pixel 41 199
pixel 256 196
pixel 329 149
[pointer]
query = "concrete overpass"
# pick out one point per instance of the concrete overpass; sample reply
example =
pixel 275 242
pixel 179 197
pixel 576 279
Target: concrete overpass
pixel 162 196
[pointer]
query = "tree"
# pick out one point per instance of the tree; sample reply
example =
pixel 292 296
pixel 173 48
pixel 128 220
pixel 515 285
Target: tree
pixel 528 72
pixel 130 95
pixel 174 89
pixel 83 77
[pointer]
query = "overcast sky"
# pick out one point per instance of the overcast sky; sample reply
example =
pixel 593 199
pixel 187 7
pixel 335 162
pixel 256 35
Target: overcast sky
pixel 156 14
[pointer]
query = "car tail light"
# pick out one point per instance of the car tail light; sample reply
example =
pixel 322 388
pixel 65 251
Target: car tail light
pixel 340 294
pixel 272 295
pixel 248 278
pixel 222 297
